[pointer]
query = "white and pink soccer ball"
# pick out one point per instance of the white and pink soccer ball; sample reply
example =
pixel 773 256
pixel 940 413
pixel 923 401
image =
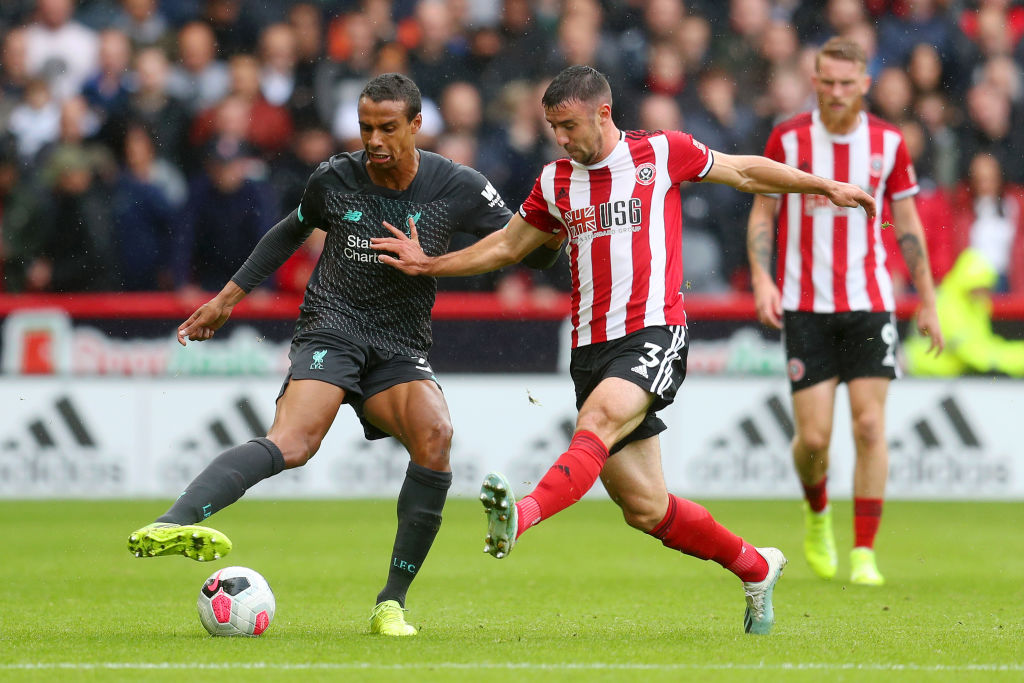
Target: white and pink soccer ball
pixel 236 601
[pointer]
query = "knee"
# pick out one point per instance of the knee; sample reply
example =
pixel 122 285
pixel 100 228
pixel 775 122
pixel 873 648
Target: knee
pixel 596 421
pixel 813 440
pixel 431 446
pixel 869 427
pixel 296 446
pixel 642 511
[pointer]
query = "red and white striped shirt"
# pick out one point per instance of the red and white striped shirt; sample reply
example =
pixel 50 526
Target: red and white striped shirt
pixel 623 220
pixel 830 259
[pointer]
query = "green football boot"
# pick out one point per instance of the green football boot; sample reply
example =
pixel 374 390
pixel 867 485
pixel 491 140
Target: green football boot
pixel 502 517
pixel 863 570
pixel 388 619
pixel 198 543
pixel 819 542
pixel 759 615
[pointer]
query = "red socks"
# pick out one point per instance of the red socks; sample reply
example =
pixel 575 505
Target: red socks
pixel 690 528
pixel 867 513
pixel 569 478
pixel 816 494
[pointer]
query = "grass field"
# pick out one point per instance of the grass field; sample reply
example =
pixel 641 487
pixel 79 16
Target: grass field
pixel 582 598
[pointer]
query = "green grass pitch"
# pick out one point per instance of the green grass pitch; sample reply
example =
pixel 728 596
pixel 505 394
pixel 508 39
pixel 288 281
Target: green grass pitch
pixel 581 598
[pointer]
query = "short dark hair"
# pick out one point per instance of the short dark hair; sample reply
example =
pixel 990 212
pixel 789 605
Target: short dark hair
pixel 580 83
pixel 394 88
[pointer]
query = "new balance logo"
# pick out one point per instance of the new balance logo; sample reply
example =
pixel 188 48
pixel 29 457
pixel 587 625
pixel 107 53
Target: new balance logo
pixel 642 371
pixel 352 216
pixel 318 360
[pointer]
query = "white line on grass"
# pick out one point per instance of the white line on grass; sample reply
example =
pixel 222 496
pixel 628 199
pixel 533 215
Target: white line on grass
pixel 558 666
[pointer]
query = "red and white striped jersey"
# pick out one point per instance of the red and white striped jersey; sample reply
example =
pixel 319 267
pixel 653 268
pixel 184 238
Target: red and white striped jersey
pixel 830 259
pixel 623 220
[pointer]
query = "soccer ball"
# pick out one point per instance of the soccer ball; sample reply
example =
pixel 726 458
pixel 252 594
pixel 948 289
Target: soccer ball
pixel 236 601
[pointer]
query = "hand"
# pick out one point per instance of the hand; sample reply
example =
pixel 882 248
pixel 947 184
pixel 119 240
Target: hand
pixel 411 259
pixel 928 326
pixel 207 319
pixel 845 194
pixel 768 303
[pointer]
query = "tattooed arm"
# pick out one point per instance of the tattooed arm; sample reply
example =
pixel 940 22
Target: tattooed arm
pixel 760 245
pixel 910 236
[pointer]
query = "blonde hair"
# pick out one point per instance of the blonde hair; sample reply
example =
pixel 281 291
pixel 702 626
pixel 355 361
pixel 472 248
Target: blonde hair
pixel 842 48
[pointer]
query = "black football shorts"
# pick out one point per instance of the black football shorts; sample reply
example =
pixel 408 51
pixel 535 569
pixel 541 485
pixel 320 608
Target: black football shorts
pixel 358 368
pixel 820 346
pixel 653 358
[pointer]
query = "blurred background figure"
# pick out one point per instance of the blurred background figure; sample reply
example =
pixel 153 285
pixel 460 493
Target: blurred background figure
pixel 964 303
pixel 199 79
pixel 60 50
pixel 988 215
pixel 227 212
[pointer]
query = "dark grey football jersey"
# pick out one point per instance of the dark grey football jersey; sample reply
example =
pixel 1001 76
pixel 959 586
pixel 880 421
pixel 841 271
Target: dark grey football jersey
pixel 351 290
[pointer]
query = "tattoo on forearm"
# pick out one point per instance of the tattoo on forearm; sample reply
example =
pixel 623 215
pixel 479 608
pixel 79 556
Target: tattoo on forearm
pixel 759 244
pixel 913 253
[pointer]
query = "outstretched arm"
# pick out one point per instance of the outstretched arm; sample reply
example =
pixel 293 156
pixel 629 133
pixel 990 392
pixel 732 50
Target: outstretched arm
pixel 273 250
pixel 760 245
pixel 910 236
pixel 506 246
pixel 761 174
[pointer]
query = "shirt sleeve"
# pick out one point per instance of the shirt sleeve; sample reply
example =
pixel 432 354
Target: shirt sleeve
pixel 310 211
pixel 485 211
pixel 688 159
pixel 535 210
pixel 902 181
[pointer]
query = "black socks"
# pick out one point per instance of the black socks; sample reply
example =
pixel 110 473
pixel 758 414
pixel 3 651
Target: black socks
pixel 225 480
pixel 419 517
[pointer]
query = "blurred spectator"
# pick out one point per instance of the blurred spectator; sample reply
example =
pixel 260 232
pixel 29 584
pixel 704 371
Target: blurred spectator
pixel 35 122
pixel 146 200
pixel 76 132
pixel 226 213
pixel 738 51
pixel 462 110
pixel 268 127
pixel 788 95
pixel 59 49
pixel 290 172
pixel 893 95
pixel 928 22
pixel 341 77
pixel 14 75
pixel 963 300
pixel 940 156
pixel 109 89
pixel 988 215
pixel 236 31
pixel 279 74
pixel 989 128
pixel 75 250
pixel 151 104
pixel 200 80
pixel 307 27
pixel 723 124
pixel 439 54
pixel 21 202
pixel 144 24
pixel 925 69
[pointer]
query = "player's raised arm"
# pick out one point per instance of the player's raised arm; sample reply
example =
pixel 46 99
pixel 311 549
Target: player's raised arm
pixel 751 173
pixel 501 248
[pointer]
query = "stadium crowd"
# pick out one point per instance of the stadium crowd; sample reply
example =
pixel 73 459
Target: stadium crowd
pixel 147 144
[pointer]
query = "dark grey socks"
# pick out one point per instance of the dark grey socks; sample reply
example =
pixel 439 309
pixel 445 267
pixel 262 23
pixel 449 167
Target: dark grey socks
pixel 225 480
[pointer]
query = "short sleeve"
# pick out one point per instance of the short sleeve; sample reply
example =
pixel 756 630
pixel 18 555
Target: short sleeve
pixel 773 148
pixel 535 210
pixel 902 181
pixel 485 211
pixel 310 211
pixel 688 159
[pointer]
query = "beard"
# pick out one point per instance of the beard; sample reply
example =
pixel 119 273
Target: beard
pixel 842 121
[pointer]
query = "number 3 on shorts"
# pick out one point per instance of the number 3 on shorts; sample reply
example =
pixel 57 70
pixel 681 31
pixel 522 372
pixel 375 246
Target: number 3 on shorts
pixel 651 359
